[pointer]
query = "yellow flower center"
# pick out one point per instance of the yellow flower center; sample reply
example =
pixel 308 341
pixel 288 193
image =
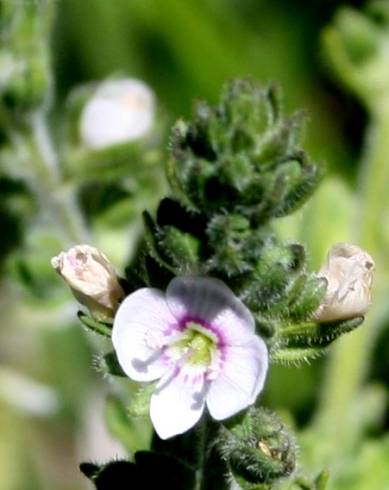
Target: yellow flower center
pixel 197 343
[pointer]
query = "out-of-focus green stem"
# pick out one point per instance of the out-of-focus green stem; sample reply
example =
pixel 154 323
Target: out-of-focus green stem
pixel 349 359
pixel 57 199
pixel 43 174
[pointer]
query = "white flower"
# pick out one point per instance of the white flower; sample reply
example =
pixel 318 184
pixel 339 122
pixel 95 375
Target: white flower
pixel 119 111
pixel 349 274
pixel 92 279
pixel 199 341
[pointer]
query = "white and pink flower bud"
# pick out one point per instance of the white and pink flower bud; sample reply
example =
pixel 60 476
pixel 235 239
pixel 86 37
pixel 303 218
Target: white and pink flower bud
pixel 349 275
pixel 119 111
pixel 91 278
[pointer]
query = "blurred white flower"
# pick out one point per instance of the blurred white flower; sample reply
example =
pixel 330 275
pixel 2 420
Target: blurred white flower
pixel 349 275
pixel 198 340
pixel 27 394
pixel 92 279
pixel 119 111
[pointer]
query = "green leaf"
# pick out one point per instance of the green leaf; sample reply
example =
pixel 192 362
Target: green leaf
pixel 321 481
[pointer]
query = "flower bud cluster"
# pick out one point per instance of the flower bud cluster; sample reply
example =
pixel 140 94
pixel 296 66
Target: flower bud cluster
pixel 242 156
pixel 258 448
pixel 232 169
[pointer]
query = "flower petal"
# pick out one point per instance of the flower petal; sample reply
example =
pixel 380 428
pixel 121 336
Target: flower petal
pixel 240 381
pixel 140 324
pixel 177 403
pixel 210 300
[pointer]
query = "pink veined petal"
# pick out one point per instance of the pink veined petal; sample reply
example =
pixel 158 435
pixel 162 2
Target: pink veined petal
pixel 177 403
pixel 240 381
pixel 210 300
pixel 139 327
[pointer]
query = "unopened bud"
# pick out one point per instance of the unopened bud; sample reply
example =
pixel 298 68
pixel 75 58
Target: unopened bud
pixel 349 275
pixel 118 112
pixel 258 448
pixel 91 278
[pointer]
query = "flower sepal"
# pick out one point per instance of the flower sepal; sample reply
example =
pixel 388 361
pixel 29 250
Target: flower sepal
pixel 108 365
pixel 155 250
pixel 297 355
pixel 94 325
pixel 313 334
pixel 154 274
pixel 303 297
pixel 276 279
pixel 176 250
pixel 307 341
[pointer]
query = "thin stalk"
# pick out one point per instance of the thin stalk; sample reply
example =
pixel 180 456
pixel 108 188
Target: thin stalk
pixel 58 201
pixel 202 447
pixel 42 172
pixel 213 473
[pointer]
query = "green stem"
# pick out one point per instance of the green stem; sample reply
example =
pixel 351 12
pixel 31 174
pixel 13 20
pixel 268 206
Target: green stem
pixel 213 473
pixel 349 360
pixel 57 200
pixel 42 172
pixel 202 444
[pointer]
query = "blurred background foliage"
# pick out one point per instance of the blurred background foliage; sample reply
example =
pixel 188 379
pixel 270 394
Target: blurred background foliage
pixel 329 59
